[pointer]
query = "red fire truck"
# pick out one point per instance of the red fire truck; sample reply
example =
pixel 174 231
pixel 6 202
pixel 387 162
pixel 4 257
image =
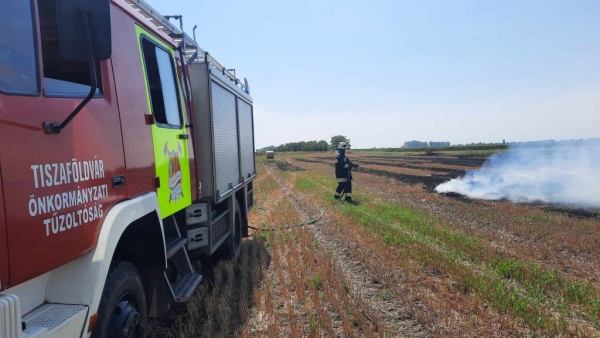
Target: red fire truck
pixel 126 152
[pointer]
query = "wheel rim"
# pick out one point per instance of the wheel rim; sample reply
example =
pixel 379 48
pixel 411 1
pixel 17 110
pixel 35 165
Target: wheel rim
pixel 126 320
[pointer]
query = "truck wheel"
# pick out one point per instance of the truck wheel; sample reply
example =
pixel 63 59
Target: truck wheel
pixel 122 312
pixel 232 248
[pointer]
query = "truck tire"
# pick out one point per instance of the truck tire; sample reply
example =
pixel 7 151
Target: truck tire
pixel 232 247
pixel 122 312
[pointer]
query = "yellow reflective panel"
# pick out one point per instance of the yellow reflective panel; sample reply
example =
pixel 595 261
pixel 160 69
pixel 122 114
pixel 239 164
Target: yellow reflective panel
pixel 165 102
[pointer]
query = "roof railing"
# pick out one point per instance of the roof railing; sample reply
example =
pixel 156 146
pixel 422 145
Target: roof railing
pixel 193 52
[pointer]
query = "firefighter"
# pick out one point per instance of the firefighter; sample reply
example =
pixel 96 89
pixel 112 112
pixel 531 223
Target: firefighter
pixel 343 173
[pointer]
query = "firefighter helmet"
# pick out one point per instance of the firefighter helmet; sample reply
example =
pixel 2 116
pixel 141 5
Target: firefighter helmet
pixel 343 145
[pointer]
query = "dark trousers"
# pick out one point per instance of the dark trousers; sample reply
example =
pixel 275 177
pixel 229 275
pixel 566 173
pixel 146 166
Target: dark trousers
pixel 346 187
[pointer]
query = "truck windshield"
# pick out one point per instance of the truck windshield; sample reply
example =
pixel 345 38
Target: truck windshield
pixel 17 48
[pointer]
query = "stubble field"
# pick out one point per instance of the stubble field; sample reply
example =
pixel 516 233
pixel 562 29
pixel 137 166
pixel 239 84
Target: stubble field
pixel 403 262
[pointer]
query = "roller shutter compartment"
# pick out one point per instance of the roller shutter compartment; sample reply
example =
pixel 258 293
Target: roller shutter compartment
pixel 246 139
pixel 227 163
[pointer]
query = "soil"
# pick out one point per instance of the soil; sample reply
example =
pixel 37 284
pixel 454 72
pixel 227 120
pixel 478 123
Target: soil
pixel 572 211
pixel 569 210
pixel 429 182
pixel 286 166
pixel 472 161
pixel 452 172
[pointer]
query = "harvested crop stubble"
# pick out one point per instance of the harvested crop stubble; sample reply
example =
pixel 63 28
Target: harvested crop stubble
pixel 334 282
pixel 531 233
pixel 222 304
pixel 506 264
pixel 441 309
pixel 404 262
pixel 308 285
pixel 359 281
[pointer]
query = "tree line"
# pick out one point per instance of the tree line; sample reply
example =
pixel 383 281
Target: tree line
pixel 303 146
pixel 308 145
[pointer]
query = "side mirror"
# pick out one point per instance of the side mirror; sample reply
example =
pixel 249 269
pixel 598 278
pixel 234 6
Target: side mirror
pixel 84 35
pixel 71 18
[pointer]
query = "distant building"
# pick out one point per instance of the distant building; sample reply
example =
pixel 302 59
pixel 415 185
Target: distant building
pixel 420 144
pixel 439 144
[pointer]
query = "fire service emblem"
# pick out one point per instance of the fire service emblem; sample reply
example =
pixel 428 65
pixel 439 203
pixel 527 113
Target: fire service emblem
pixel 174 172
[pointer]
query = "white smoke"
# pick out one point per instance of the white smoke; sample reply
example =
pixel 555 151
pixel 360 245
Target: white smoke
pixel 551 172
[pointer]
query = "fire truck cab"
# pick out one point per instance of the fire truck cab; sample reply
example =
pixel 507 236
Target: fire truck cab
pixel 126 151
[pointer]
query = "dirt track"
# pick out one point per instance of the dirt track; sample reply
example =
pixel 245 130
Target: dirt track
pixel 398 322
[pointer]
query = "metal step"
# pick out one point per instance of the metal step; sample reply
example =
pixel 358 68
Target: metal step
pixel 182 290
pixel 174 244
pixel 55 320
pixel 177 258
pixel 185 286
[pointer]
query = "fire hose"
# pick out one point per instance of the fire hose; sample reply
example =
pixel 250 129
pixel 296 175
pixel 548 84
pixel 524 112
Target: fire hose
pixel 318 209
pixel 291 226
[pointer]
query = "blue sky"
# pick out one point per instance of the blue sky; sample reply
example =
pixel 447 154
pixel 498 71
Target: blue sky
pixel 386 72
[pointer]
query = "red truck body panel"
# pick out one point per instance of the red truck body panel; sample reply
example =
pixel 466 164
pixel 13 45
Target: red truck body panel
pixel 4 277
pixel 45 219
pixel 92 138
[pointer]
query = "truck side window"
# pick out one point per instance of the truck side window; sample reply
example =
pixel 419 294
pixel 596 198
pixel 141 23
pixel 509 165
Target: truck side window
pixel 18 64
pixel 62 77
pixel 161 77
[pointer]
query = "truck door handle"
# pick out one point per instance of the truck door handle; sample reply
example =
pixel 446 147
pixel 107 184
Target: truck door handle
pixel 118 181
pixel 184 136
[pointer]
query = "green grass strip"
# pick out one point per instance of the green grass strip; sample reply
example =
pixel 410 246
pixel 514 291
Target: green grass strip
pixel 399 225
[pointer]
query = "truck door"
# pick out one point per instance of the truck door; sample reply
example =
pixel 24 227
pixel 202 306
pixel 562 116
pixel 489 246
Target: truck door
pixel 168 130
pixel 57 187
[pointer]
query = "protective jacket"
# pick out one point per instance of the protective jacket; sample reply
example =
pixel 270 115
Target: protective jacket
pixel 343 166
